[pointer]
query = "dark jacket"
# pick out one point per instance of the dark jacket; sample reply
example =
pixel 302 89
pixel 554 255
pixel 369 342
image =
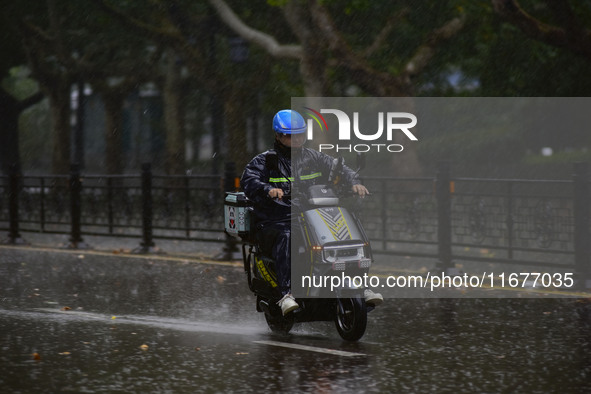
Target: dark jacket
pixel 306 166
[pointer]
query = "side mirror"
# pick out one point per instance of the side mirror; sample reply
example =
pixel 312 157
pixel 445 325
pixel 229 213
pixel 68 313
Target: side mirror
pixel 340 165
pixel 360 161
pixel 336 170
pixel 271 161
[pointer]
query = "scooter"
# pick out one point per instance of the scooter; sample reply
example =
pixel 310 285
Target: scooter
pixel 333 246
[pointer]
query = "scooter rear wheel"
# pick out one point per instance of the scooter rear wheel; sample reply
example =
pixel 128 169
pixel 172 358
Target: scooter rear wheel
pixel 351 318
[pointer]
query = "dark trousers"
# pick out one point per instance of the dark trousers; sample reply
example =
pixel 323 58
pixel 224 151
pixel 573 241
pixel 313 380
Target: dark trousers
pixel 275 241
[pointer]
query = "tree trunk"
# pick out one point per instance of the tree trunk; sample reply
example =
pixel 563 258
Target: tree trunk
pixel 235 116
pixel 174 117
pixel 113 132
pixel 59 104
pixel 313 57
pixel 9 147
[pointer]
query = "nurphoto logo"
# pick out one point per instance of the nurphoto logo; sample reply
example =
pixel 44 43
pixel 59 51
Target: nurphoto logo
pixel 389 123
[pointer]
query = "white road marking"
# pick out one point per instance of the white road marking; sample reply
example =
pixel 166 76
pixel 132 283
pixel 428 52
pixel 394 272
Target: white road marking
pixel 310 348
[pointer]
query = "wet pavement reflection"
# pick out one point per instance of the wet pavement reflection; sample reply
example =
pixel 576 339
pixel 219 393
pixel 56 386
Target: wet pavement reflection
pixel 87 322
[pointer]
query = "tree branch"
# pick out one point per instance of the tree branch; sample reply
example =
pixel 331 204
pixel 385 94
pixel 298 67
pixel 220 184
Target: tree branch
pixel 565 16
pixel 573 36
pixel 425 52
pixel 57 33
pixel 372 81
pixel 159 33
pixel 269 43
pixel 170 34
pixel 382 36
pixel 35 41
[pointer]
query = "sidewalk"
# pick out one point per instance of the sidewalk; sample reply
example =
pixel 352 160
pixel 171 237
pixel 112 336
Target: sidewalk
pixel 190 249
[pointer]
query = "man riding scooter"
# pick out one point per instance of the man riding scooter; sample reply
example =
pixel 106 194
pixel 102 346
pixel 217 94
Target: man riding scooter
pixel 266 187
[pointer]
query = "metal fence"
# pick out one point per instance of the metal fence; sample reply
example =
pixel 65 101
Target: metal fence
pixel 531 222
pixel 145 206
pixel 543 223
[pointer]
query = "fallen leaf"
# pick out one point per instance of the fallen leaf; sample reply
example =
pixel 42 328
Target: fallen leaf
pixel 65 353
pixel 197 349
pixel 66 308
pixel 220 279
pixel 113 317
pixel 36 356
pixel 144 347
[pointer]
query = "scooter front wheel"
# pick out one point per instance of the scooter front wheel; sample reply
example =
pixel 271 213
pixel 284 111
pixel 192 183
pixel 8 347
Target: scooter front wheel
pixel 279 324
pixel 351 318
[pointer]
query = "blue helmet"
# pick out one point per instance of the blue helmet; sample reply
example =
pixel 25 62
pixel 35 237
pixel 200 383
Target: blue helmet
pixel 289 122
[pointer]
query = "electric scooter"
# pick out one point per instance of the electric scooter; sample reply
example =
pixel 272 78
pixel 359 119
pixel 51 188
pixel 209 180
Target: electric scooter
pixel 333 251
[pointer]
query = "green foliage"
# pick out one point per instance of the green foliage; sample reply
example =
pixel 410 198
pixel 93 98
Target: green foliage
pixel 19 84
pixel 489 58
pixel 508 63
pixel 277 3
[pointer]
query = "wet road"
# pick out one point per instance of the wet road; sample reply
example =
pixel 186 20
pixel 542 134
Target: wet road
pixel 86 322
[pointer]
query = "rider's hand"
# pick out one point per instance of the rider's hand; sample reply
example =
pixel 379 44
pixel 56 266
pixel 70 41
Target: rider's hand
pixel 360 190
pixel 276 193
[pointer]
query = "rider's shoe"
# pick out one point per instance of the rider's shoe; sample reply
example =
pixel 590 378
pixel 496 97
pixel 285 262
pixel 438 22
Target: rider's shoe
pixel 372 298
pixel 287 304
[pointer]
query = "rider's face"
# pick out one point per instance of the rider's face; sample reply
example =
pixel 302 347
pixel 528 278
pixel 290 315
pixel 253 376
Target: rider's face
pixel 292 140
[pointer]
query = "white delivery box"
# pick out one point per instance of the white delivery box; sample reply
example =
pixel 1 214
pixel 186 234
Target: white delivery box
pixel 237 214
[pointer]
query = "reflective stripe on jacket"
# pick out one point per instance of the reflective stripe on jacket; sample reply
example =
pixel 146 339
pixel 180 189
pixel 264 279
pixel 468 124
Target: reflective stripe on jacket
pixel 308 166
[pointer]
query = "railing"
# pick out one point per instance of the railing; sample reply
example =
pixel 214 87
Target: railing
pixel 145 206
pixel 545 223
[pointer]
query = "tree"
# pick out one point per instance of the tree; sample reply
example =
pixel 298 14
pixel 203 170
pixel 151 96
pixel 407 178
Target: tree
pixel 562 26
pixel 551 42
pixel 174 94
pixel 324 49
pixel 306 18
pixel 115 68
pixel 188 29
pixel 10 110
pixel 308 52
pixel 46 55
pixel 11 107
pixel 65 48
